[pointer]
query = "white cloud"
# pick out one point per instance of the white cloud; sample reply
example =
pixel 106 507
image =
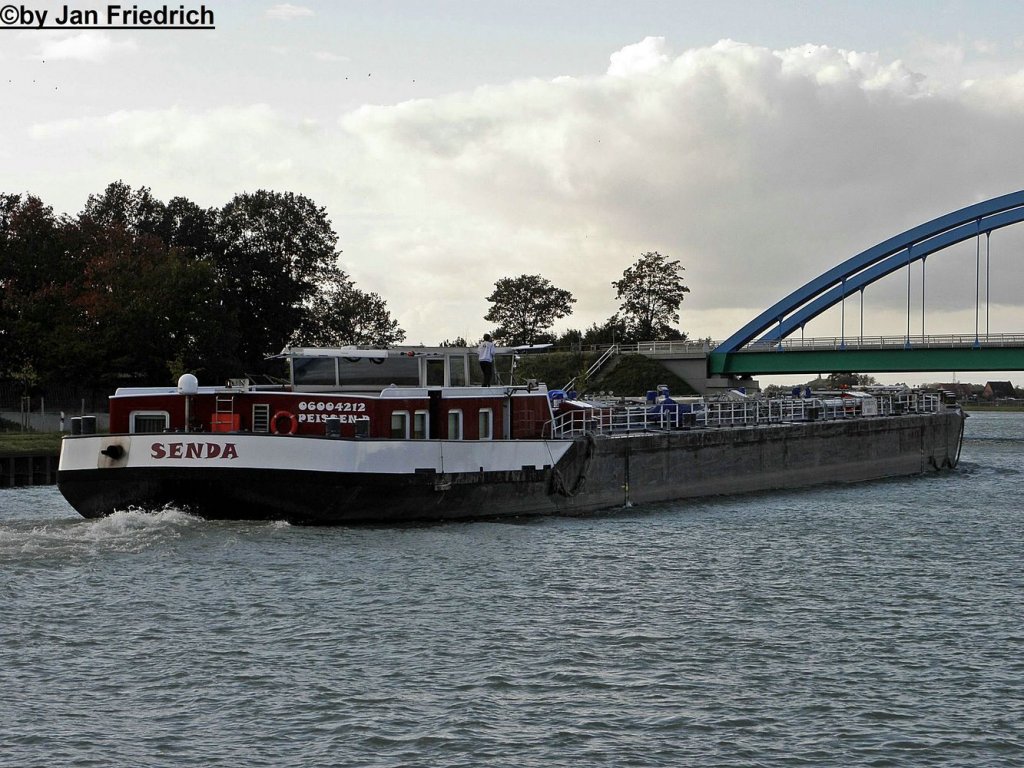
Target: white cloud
pixel 207 156
pixel 758 169
pixel 646 56
pixel 287 12
pixel 986 47
pixel 834 67
pixel 86 46
pixel 330 57
pixel 996 94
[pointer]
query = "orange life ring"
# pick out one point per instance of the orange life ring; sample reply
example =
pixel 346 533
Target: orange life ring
pixel 292 423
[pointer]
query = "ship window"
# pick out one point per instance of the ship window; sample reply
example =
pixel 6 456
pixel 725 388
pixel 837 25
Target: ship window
pixel 486 424
pixel 457 371
pixel 403 371
pixel 454 425
pixel 435 372
pixel 419 425
pixel 362 427
pixel 503 365
pixel 148 421
pixel 314 370
pixel 261 417
pixel 400 425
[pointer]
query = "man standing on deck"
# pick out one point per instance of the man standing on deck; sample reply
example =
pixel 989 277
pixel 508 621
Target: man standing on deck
pixel 486 355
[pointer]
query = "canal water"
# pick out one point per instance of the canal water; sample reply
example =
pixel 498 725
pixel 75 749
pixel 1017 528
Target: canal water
pixel 878 624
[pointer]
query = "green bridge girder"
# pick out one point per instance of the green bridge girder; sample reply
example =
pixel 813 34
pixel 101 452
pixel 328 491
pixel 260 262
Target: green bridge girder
pixel 892 360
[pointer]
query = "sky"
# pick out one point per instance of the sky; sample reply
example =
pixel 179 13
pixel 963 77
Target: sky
pixel 456 142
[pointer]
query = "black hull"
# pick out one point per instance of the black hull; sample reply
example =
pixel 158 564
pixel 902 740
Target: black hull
pixel 298 496
pixel 597 473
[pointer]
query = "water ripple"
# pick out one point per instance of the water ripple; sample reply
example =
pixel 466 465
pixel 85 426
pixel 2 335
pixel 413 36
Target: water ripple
pixel 857 625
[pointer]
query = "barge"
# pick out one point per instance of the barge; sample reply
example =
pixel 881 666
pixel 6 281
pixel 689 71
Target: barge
pixel 362 436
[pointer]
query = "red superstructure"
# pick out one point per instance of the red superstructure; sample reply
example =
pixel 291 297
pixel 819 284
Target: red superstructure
pixel 313 405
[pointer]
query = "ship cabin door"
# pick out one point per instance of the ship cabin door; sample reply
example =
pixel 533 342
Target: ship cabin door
pixel 434 418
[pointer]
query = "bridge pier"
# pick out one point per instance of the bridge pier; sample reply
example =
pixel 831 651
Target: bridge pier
pixel 694 371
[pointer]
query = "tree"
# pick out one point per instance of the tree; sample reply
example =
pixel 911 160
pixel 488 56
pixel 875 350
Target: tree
pixel 525 307
pixel 277 264
pixel 210 352
pixel 341 314
pixel 189 227
pixel 39 275
pixel 274 252
pixel 142 305
pixel 837 380
pixel 152 283
pixel 137 211
pixel 613 330
pixel 650 293
pixel 136 290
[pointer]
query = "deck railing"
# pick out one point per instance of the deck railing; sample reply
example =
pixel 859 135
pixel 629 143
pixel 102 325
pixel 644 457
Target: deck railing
pixel 709 414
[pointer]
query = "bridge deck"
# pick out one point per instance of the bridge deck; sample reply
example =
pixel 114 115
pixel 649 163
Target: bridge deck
pixel 868 354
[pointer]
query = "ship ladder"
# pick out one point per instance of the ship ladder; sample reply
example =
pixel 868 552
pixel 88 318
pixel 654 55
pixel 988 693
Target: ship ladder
pixel 224 413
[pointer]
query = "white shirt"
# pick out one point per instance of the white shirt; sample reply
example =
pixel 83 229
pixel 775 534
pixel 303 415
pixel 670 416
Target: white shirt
pixel 486 352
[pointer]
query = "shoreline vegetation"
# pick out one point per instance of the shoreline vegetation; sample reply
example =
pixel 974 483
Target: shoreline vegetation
pixel 30 443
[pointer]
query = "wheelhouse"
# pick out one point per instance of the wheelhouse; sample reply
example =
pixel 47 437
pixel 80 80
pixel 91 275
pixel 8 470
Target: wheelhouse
pixel 411 393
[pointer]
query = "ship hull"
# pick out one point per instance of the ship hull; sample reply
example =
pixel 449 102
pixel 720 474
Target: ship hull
pixel 331 481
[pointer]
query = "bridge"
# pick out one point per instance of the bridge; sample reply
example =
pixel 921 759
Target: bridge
pixel 774 343
pixel 881 354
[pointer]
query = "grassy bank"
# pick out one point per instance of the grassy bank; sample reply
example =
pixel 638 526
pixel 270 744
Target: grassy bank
pixel 24 443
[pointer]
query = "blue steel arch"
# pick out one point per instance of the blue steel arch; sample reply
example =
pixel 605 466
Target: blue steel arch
pixel 828 289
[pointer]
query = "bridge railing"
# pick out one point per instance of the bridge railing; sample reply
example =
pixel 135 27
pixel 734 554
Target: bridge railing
pixel 667 347
pixel 709 414
pixel 935 341
pixel 819 343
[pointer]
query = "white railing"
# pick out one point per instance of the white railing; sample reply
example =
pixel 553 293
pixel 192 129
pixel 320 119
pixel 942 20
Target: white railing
pixel 604 358
pixel 685 347
pixel 708 414
pixel 854 341
pixel 937 341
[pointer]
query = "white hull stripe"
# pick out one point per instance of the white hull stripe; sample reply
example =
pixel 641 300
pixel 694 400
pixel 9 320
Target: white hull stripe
pixel 242 451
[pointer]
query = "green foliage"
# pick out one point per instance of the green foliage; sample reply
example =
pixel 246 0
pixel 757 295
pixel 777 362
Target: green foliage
pixel 16 443
pixel 275 251
pixel 635 375
pixel 650 293
pixel 836 380
pixel 625 376
pixel 612 331
pixel 525 307
pixel 121 207
pixel 133 290
pixel 553 368
pixel 341 314
pixel 140 302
